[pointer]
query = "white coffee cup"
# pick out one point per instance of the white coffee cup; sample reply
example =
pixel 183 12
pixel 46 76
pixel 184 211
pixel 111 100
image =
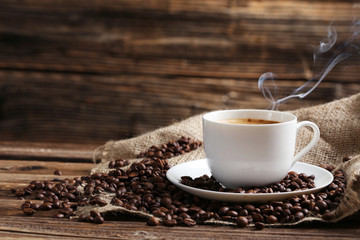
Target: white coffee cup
pixel 243 155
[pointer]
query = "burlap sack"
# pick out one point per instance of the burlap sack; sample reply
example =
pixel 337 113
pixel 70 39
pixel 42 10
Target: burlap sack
pixel 339 123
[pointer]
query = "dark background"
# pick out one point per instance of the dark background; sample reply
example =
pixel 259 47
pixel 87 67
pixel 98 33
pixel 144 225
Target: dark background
pixel 90 71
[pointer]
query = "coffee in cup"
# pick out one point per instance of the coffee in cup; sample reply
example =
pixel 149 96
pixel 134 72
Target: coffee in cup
pixel 250 121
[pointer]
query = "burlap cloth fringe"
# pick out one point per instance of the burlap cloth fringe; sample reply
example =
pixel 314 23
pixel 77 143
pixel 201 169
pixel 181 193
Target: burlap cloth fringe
pixel 339 123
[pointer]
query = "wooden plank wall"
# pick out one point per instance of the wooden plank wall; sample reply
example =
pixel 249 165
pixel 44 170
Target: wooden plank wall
pixel 88 71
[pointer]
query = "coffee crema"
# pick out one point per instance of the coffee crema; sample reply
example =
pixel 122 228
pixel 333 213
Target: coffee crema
pixel 248 121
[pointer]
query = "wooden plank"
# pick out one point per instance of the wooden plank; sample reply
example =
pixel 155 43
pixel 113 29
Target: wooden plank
pixel 44 167
pixel 286 68
pixel 19 173
pixel 87 109
pixel 236 39
pixel 47 151
pixel 88 73
pixel 9 235
pixel 139 230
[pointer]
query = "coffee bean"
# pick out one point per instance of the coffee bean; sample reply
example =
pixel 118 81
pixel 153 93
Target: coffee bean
pixel 67 211
pixel 117 202
pixel 242 221
pixel 189 222
pixel 120 163
pixel 19 193
pixel 89 219
pixel 111 164
pixel 153 221
pixel 257 217
pixel 28 211
pixel 271 219
pixel 223 211
pixel 101 202
pixel 286 205
pixel 56 204
pixel 194 209
pixel 98 220
pixel 59 215
pixel 35 206
pixel 268 211
pixel 94 213
pixel 295 209
pixel 57 172
pixel 26 204
pixel 299 215
pixel 243 212
pixel 170 222
pixel 232 213
pixel 259 226
pixel 249 207
pixel 166 201
pixel 322 205
pixel 332 189
pixel 158 213
pixel 183 209
pixel 206 216
pixel 27 191
pixel 46 206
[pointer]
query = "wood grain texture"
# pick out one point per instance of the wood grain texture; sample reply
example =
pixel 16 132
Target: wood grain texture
pixel 139 230
pixel 91 71
pixel 64 152
pixel 93 109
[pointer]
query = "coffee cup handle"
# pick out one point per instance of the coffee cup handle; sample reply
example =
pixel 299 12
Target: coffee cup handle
pixel 313 141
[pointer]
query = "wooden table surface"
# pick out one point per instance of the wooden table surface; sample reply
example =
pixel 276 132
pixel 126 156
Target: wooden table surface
pixel 21 162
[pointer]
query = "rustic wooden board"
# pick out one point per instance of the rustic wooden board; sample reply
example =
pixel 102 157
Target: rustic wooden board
pixel 193 38
pixel 91 71
pixel 47 151
pixel 29 226
pixel 94 109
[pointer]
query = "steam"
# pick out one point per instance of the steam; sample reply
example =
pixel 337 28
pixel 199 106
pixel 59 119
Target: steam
pixel 266 82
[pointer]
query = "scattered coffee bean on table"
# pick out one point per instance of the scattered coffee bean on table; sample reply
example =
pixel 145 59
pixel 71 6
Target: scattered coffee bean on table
pixel 144 187
pixel 57 172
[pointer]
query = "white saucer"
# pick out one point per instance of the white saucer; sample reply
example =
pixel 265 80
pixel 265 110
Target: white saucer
pixel 198 168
